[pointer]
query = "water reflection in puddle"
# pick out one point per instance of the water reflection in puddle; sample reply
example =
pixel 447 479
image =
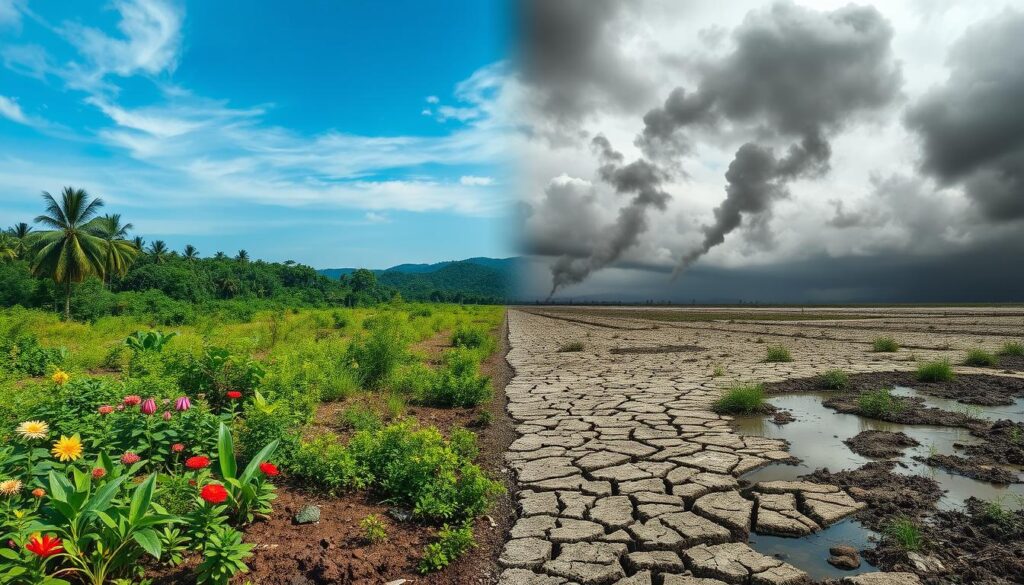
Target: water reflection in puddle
pixel 810 553
pixel 816 438
pixel 1014 412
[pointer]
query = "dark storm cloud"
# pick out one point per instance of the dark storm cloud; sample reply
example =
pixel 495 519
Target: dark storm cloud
pixel 972 127
pixel 795 73
pixel 565 222
pixel 571 62
pixel 640 178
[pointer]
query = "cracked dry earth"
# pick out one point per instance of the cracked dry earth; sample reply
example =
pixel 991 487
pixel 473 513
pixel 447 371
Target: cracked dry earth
pixel 626 476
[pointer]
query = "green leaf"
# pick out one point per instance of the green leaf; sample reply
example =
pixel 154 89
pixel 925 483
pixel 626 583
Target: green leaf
pixel 58 487
pixel 263 455
pixel 101 501
pixel 149 541
pixel 226 452
pixel 141 499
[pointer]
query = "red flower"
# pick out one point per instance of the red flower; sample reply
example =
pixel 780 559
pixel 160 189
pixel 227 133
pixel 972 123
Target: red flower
pixel 38 493
pixel 197 462
pixel 177 448
pixel 47 546
pixel 130 458
pixel 132 400
pixel 105 409
pixel 98 472
pixel 269 469
pixel 214 493
pixel 234 394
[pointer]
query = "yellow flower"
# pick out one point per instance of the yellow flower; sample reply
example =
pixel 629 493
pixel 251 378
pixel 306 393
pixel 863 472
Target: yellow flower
pixel 60 377
pixel 10 487
pixel 68 449
pixel 33 429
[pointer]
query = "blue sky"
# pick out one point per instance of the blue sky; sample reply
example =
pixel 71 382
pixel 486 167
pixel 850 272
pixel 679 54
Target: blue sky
pixel 351 133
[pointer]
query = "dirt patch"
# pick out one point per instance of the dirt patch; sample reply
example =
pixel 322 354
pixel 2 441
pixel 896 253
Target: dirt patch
pixel 911 411
pixel 879 444
pixel 978 546
pixel 980 389
pixel 888 494
pixel 1012 363
pixel 782 417
pixel 1004 443
pixel 972 467
pixel 657 349
pixel 433 347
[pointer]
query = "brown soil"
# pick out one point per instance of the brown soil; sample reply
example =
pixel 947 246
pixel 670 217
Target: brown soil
pixel 981 389
pixel 657 349
pixel 1012 363
pixel 910 412
pixel 333 551
pixel 879 444
pixel 433 347
pixel 782 417
pixel 978 547
pixel 972 467
pixel 1004 443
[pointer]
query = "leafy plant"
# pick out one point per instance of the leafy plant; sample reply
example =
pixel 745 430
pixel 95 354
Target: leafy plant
pixel 451 544
pixel 224 556
pixel 360 418
pixel 458 383
pixel 374 530
pixel 980 358
pixel 937 371
pixel 885 344
pixel 325 463
pixel 906 533
pixel 376 357
pixel 152 340
pixel 250 493
pixel 471 338
pixel 777 353
pixel 835 379
pixel 741 399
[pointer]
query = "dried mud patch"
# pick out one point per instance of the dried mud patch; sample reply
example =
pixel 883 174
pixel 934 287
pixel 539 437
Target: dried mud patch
pixel 979 389
pixel 879 444
pixel 658 349
pixel 1004 443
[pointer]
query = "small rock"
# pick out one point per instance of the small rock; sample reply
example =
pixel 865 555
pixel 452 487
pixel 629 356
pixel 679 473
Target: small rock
pixel 842 550
pixel 308 514
pixel 400 514
pixel 846 563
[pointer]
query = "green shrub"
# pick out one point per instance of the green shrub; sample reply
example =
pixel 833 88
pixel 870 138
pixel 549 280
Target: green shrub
pixel 878 403
pixel 451 544
pixel 1012 348
pixel 458 383
pixel 325 463
pixel 835 379
pixel 741 399
pixel 980 358
pixel 376 357
pixel 570 346
pixel 360 417
pixel 885 344
pixel 23 354
pixel 937 371
pixel 264 423
pixel 374 530
pixel 470 337
pixel 777 353
pixel 906 533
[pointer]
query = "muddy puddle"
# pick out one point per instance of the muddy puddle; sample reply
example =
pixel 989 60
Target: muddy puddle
pixel 816 438
pixel 1013 411
pixel 810 553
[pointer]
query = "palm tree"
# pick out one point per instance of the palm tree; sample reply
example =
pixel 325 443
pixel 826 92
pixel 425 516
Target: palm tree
pixel 139 243
pixel 8 247
pixel 120 253
pixel 22 232
pixel 190 254
pixel 242 256
pixel 220 256
pixel 158 250
pixel 70 250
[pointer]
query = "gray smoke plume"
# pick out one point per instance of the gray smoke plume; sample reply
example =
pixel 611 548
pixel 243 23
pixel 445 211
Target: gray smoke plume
pixel 641 178
pixel 795 73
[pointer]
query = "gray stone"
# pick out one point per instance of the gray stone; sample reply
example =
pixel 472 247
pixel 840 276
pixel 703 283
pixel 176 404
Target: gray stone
pixel 658 560
pixel 525 553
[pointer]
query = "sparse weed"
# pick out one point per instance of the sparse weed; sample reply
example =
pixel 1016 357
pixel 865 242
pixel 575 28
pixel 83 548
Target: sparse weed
pixel 937 371
pixel 777 353
pixel 906 533
pixel 885 344
pixel 718 371
pixel 1012 348
pixel 741 399
pixel 374 530
pixel 451 544
pixel 835 379
pixel 360 418
pixel 878 403
pixel 570 346
pixel 980 358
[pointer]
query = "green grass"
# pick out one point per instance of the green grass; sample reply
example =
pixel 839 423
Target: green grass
pixel 937 371
pixel 718 371
pixel 835 379
pixel 741 399
pixel 906 533
pixel 980 358
pixel 885 344
pixel 777 353
pixel 570 346
pixel 878 403
pixel 1012 348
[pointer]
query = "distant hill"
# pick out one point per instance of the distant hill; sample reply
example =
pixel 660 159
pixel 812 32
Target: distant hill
pixel 474 278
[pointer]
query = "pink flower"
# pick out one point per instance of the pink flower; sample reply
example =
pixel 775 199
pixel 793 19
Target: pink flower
pixel 177 448
pixel 130 458
pixel 98 472
pixel 132 400
pixel 120 407
pixel 182 404
pixel 148 406
pixel 167 415
pixel 105 409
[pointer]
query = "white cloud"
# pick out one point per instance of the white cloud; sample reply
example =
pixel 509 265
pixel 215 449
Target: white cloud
pixel 10 109
pixel 10 13
pixel 374 217
pixel 433 99
pixel 472 180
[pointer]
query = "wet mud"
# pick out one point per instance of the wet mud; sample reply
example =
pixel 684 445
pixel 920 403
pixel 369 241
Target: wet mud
pixel 880 444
